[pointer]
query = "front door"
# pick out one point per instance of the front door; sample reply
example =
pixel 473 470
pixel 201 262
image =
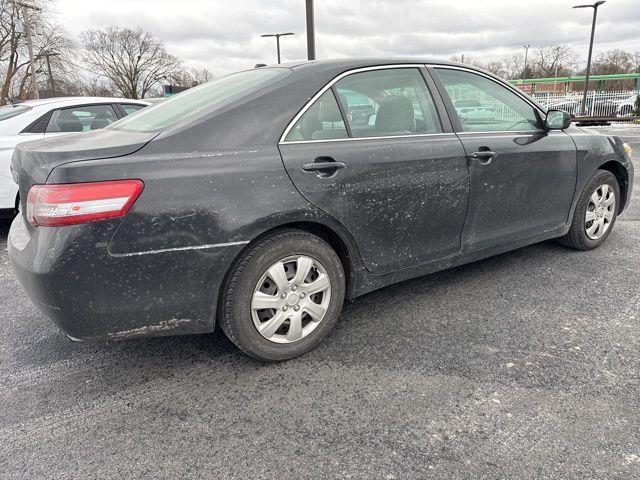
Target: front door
pixel 522 177
pixel 391 174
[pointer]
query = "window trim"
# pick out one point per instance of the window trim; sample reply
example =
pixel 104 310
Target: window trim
pixel 453 114
pixel 425 68
pixel 343 113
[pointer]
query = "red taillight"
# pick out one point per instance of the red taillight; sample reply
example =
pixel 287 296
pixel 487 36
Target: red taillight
pixel 71 203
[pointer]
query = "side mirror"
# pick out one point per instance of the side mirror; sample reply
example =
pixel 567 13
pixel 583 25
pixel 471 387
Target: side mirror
pixel 557 120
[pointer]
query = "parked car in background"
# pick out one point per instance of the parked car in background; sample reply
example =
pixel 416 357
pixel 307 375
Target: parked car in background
pixel 626 107
pixel 569 106
pixel 154 100
pixel 473 110
pixel 36 119
pixel 602 108
pixel 255 203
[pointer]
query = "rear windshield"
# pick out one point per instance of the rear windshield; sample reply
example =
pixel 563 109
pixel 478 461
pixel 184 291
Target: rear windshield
pixel 198 100
pixel 9 111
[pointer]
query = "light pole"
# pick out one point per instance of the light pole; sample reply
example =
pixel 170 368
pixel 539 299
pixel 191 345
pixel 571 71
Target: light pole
pixel 526 55
pixel 311 32
pixel 277 35
pixel 593 29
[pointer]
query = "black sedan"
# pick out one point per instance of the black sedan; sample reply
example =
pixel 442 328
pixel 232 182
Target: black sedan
pixel 261 200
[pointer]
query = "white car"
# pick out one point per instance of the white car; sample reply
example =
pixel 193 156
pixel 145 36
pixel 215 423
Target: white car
pixel 35 119
pixel 626 106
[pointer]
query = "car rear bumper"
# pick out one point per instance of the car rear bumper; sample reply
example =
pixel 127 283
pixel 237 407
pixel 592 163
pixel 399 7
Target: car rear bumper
pixel 69 275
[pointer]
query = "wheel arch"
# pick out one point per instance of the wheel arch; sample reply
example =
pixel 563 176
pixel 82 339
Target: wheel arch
pixel 337 237
pixel 622 176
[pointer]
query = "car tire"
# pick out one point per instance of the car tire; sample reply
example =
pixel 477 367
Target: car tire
pixel 256 280
pixel 584 234
pixel 626 110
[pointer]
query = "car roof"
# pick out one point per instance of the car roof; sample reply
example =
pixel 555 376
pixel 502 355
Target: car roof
pixel 80 101
pixel 353 63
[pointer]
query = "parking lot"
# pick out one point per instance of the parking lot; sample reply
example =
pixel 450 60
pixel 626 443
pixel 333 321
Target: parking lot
pixel 523 365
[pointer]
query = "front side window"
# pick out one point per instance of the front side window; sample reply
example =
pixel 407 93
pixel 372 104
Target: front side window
pixel 388 102
pixel 483 105
pixel 322 121
pixel 201 99
pixel 81 119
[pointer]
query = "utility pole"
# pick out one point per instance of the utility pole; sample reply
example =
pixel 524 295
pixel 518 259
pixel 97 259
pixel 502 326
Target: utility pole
pixel 27 28
pixel 311 32
pixel 277 35
pixel 583 109
pixel 51 82
pixel 526 55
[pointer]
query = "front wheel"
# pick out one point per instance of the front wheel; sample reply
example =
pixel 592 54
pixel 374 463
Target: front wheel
pixel 283 296
pixel 595 213
pixel 626 111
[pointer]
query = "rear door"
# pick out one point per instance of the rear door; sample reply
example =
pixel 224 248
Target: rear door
pixel 522 176
pixel 393 173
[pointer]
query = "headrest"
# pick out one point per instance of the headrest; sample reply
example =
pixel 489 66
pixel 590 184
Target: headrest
pixel 69 123
pixel 395 114
pixel 329 111
pixel 100 121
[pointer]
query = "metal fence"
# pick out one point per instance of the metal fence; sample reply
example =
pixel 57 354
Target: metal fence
pixel 599 104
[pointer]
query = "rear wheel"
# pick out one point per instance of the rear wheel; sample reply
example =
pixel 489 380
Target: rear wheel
pixel 595 213
pixel 283 296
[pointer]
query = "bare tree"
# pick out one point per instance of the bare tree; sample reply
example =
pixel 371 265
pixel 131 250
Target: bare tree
pixel 15 77
pixel 190 78
pixel 497 68
pixel 201 75
pixel 133 61
pixel 614 61
pixel 553 60
pixel 513 65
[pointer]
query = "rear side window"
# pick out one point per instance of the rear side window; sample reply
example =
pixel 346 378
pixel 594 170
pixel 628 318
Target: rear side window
pixel 81 118
pixel 322 121
pixel 201 99
pixel 483 105
pixel 376 103
pixel 130 108
pixel 388 102
pixel 10 111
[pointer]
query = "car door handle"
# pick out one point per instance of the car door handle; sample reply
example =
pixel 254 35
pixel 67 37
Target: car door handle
pixel 323 166
pixel 484 157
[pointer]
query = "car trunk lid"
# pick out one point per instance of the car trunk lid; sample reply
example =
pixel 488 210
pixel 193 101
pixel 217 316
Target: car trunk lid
pixel 33 161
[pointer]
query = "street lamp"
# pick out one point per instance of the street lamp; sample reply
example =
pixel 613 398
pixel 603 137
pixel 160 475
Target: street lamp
pixel 277 35
pixel 526 54
pixel 593 29
pixel 311 31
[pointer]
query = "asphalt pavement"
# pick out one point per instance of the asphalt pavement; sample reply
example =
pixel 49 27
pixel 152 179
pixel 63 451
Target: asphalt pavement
pixel 525 365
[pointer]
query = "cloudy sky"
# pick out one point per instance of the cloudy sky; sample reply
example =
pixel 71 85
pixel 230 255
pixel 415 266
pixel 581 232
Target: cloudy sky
pixel 224 35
